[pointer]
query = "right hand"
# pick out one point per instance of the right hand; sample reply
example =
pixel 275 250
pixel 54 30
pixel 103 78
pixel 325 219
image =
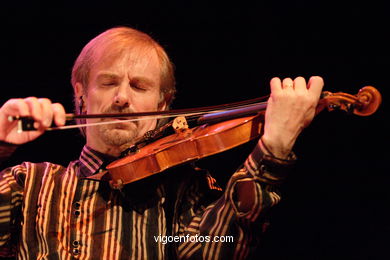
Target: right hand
pixel 42 110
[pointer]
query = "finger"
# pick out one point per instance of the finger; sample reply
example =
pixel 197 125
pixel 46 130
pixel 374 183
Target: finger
pixel 35 110
pixel 16 107
pixel 300 85
pixel 315 86
pixel 276 85
pixel 288 84
pixel 59 114
pixel 47 112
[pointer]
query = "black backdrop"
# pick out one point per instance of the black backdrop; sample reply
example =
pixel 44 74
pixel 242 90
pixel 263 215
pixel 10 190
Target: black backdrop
pixel 336 200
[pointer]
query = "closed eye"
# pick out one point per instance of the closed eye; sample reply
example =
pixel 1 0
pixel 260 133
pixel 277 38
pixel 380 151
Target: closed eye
pixel 139 87
pixel 109 83
pixel 108 79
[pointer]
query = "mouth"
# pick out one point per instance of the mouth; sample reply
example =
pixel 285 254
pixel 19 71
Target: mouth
pixel 121 123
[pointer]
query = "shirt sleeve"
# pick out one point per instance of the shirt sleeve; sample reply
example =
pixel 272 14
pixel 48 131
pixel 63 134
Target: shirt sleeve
pixel 11 197
pixel 221 230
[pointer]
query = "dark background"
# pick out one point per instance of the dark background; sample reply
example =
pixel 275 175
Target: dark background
pixel 336 201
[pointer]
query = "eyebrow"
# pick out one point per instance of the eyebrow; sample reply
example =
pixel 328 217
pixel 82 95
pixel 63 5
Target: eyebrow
pixel 144 80
pixel 106 75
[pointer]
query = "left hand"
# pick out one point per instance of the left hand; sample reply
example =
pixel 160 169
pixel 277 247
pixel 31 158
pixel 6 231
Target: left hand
pixel 291 107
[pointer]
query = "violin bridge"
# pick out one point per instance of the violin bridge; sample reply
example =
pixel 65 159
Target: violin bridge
pixel 180 124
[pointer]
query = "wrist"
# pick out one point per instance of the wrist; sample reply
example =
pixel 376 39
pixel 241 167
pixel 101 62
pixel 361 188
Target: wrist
pixel 276 149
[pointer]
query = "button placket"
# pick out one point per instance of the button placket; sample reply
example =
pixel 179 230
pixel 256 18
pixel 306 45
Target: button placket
pixel 76 247
pixel 76 243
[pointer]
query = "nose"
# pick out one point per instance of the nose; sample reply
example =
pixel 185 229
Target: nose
pixel 122 96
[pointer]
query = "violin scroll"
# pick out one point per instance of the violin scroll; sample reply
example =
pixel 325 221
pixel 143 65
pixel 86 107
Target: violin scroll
pixel 365 103
pixel 369 99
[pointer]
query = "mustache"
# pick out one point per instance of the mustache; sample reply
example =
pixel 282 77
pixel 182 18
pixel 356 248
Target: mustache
pixel 119 110
pixel 123 110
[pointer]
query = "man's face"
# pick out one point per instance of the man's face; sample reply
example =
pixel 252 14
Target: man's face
pixel 124 84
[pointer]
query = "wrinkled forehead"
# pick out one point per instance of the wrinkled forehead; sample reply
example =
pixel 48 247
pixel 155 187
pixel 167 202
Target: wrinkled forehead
pixel 133 54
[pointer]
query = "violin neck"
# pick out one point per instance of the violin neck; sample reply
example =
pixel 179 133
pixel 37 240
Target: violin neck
pixel 231 114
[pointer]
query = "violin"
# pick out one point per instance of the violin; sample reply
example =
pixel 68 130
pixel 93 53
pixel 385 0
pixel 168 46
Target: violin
pixel 218 129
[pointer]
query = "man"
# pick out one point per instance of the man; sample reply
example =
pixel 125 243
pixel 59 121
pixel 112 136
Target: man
pixel 56 212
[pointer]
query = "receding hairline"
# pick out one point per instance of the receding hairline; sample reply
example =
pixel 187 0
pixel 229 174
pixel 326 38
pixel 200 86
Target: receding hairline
pixel 114 42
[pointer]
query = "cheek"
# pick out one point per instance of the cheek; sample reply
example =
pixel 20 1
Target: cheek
pixel 93 106
pixel 97 101
pixel 146 102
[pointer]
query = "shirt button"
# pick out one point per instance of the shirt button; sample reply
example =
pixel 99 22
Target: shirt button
pixel 77 213
pixel 75 243
pixel 76 205
pixel 76 251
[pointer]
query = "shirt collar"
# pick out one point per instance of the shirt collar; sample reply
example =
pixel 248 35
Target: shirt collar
pixel 91 161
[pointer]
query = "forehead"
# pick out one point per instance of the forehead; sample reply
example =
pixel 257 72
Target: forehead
pixel 135 60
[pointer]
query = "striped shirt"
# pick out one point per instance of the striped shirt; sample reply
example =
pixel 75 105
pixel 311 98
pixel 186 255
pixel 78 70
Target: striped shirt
pixel 48 211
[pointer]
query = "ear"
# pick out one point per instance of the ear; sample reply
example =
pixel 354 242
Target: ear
pixel 162 106
pixel 79 89
pixel 79 92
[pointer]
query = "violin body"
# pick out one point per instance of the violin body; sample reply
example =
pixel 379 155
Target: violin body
pixel 184 146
